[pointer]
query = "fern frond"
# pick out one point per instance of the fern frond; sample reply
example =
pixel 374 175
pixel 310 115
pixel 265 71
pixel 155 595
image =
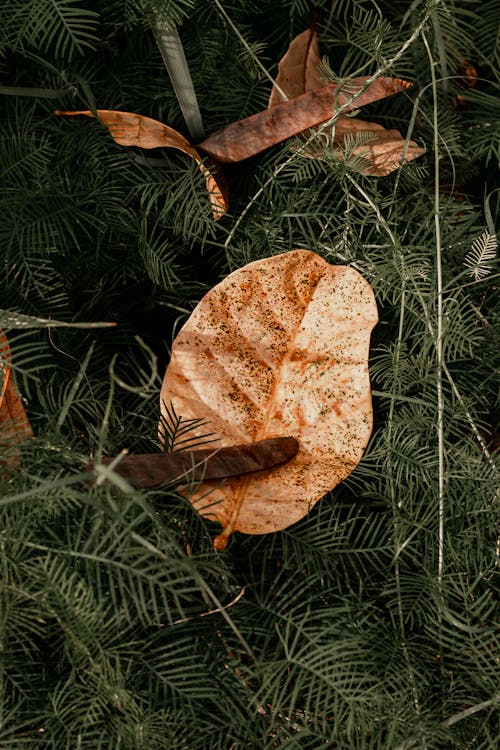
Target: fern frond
pixel 61 25
pixel 159 258
pixel 178 434
pixel 480 259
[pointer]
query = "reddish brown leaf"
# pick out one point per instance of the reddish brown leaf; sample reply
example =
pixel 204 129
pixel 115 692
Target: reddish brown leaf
pixel 280 347
pixel 152 469
pixel 467 73
pixel 14 424
pixel 298 72
pixel 245 138
pixel 380 156
pixel 129 129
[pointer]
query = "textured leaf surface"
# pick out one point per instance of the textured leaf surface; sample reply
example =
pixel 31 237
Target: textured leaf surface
pixel 244 138
pixel 298 73
pixel 278 348
pixel 14 424
pixel 298 70
pixel 130 129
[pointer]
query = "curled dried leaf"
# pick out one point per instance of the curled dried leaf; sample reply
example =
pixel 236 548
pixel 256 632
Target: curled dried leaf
pixel 14 424
pixel 381 152
pixel 280 347
pixel 130 129
pixel 298 70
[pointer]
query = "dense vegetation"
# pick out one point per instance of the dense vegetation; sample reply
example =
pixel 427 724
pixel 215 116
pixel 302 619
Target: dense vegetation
pixel 369 624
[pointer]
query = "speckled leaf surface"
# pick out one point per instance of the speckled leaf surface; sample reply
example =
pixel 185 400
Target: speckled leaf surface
pixel 278 348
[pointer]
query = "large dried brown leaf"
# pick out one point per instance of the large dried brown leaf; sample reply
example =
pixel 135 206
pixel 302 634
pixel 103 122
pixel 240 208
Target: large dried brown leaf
pixel 280 347
pixel 14 424
pixel 129 129
pixel 298 72
pixel 152 469
pixel 244 138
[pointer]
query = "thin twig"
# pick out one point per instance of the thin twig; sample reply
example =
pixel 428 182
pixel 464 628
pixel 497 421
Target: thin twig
pixel 439 322
pixel 212 611
pixel 470 711
pixel 250 51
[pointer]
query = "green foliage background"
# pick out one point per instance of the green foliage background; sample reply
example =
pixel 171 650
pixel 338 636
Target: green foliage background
pixel 371 623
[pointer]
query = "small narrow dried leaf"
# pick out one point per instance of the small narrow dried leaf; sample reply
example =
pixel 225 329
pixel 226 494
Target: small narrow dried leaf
pixel 280 347
pixel 298 70
pixel 129 129
pixel 298 73
pixel 244 138
pixel 14 424
pixel 150 470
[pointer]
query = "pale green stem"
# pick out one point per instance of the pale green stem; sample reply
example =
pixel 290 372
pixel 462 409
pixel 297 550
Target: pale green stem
pixel 254 197
pixel 271 178
pixel 74 388
pixel 471 710
pixel 439 323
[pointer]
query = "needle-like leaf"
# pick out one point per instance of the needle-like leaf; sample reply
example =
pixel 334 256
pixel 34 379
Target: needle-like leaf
pixel 172 52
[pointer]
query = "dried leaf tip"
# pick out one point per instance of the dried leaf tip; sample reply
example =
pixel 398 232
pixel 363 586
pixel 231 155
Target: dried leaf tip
pixel 131 129
pixel 65 113
pixel 403 84
pixel 14 423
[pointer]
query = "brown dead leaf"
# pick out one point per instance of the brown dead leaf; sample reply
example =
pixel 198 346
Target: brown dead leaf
pixel 310 103
pixel 298 72
pixel 381 155
pixel 152 469
pixel 129 129
pixel 14 424
pixel 244 138
pixel 279 347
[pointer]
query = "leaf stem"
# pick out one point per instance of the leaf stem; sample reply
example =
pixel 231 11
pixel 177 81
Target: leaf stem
pixel 471 710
